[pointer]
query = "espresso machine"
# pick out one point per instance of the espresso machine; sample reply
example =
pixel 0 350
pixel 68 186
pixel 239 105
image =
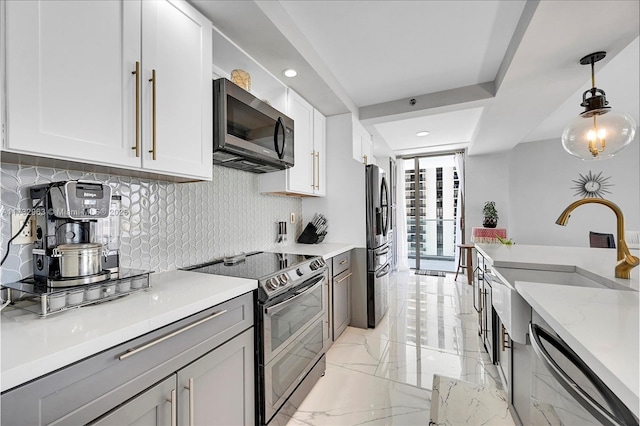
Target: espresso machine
pixel 76 236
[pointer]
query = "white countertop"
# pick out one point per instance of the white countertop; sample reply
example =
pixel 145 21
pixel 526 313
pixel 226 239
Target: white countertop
pixel 600 325
pixel 598 261
pixel 32 346
pixel 326 250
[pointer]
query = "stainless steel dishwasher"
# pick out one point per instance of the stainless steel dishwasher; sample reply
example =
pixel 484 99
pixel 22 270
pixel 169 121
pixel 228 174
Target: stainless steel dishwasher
pixel 564 390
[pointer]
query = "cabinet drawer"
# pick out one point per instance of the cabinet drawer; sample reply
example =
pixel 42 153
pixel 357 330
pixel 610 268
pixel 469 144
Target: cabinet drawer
pixel 83 391
pixel 341 262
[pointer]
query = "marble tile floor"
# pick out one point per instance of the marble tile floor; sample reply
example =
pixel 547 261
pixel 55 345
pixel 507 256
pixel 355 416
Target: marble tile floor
pixel 384 376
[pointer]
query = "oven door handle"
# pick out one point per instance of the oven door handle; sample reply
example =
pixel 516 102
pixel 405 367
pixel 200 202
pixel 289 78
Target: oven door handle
pixel 275 308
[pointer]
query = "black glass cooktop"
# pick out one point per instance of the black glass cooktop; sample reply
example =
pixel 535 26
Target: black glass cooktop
pixel 257 265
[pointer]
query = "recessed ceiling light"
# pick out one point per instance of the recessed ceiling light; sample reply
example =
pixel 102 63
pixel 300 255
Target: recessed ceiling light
pixel 422 133
pixel 290 72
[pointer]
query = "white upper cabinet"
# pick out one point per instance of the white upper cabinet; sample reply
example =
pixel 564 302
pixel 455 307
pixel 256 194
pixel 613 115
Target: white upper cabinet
pixel 319 146
pixel 72 92
pixel 308 176
pixel 362 144
pixel 176 48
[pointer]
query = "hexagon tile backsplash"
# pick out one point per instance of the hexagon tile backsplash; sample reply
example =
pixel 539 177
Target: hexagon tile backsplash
pixel 168 225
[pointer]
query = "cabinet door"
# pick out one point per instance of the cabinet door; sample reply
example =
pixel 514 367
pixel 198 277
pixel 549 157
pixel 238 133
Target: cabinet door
pixel 70 91
pixel 218 389
pixel 301 176
pixel 176 47
pixel 154 407
pixel 341 302
pixel 503 353
pixel 319 146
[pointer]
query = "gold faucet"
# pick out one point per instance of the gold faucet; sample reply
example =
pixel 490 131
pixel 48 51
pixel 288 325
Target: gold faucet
pixel 626 261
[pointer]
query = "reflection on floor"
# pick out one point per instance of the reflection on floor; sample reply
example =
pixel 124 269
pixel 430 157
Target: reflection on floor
pixel 434 265
pixel 384 375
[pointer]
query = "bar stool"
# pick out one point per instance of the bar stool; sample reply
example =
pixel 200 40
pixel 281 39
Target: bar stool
pixel 468 252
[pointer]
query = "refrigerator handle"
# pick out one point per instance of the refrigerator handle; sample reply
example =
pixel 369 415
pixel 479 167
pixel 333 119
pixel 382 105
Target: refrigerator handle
pixel 384 203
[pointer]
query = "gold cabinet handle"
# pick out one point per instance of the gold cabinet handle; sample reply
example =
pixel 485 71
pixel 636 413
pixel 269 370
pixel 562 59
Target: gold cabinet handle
pixel 172 400
pixel 344 278
pixel 343 262
pixel 137 74
pixel 131 352
pixel 313 163
pixel 191 390
pixel 317 169
pixel 153 113
pixel 504 344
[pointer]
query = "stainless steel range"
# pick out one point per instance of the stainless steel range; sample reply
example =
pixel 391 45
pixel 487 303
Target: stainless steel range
pixel 290 312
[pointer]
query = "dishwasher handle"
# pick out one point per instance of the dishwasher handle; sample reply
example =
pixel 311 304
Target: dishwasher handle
pixel 621 416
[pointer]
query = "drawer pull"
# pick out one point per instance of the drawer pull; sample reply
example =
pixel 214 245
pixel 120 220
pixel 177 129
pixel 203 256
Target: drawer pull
pixel 191 390
pixel 174 413
pixel 343 262
pixel 344 278
pixel 131 352
pixel 504 343
pixel 137 74
pixel 153 80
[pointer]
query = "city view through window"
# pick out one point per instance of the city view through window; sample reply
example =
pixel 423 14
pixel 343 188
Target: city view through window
pixel 431 197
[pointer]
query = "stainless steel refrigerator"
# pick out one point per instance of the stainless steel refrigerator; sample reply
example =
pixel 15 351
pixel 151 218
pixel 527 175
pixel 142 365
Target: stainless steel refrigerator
pixel 379 243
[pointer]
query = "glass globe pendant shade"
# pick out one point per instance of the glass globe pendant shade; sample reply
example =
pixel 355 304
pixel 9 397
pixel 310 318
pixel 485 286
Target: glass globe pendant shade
pixel 598 137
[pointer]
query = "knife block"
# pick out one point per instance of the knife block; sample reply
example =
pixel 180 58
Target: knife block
pixel 310 235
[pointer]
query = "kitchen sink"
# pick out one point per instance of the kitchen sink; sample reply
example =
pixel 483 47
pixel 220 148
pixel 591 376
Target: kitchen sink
pixel 512 308
pixel 549 277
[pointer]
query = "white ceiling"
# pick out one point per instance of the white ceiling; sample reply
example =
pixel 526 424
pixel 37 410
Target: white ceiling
pixel 485 74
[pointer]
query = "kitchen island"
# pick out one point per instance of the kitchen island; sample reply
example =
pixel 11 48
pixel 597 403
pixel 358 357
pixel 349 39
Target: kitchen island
pixel 601 325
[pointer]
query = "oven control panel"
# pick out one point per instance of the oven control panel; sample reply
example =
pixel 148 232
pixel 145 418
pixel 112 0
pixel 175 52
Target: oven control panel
pixel 285 279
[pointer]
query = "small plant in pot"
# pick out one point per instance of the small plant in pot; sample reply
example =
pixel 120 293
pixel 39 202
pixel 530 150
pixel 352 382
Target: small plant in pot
pixel 489 215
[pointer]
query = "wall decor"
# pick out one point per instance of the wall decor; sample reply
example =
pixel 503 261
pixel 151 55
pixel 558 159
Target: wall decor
pixel 592 185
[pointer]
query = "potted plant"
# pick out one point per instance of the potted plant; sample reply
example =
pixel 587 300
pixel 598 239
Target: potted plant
pixel 489 215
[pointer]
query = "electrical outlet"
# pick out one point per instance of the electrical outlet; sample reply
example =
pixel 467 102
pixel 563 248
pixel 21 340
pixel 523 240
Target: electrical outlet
pixel 26 235
pixel 293 217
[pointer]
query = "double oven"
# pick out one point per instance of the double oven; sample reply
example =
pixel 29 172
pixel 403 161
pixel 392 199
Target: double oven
pixel 290 309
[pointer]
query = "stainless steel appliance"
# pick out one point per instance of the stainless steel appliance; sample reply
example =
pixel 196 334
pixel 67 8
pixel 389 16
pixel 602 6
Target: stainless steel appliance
pixel 290 310
pixel 379 245
pixel 76 237
pixel 249 134
pixel 564 390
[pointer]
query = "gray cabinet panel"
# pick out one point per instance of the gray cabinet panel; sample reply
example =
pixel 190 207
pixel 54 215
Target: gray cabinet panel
pixel 219 387
pixel 341 262
pixel 86 390
pixel 521 382
pixel 152 408
pixel 341 302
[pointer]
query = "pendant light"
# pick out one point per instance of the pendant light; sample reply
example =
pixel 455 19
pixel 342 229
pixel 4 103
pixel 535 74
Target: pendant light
pixel 599 132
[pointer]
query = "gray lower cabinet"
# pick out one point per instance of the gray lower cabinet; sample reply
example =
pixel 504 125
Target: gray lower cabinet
pixel 132 376
pixel 521 383
pixel 217 389
pixel 341 302
pixel 154 407
pixel 503 353
pixel 341 293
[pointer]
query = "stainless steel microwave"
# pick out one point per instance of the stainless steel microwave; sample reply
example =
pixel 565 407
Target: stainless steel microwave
pixel 249 134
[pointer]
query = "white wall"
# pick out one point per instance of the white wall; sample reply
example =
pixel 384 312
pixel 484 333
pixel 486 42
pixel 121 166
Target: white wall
pixel 486 179
pixel 533 183
pixel 541 187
